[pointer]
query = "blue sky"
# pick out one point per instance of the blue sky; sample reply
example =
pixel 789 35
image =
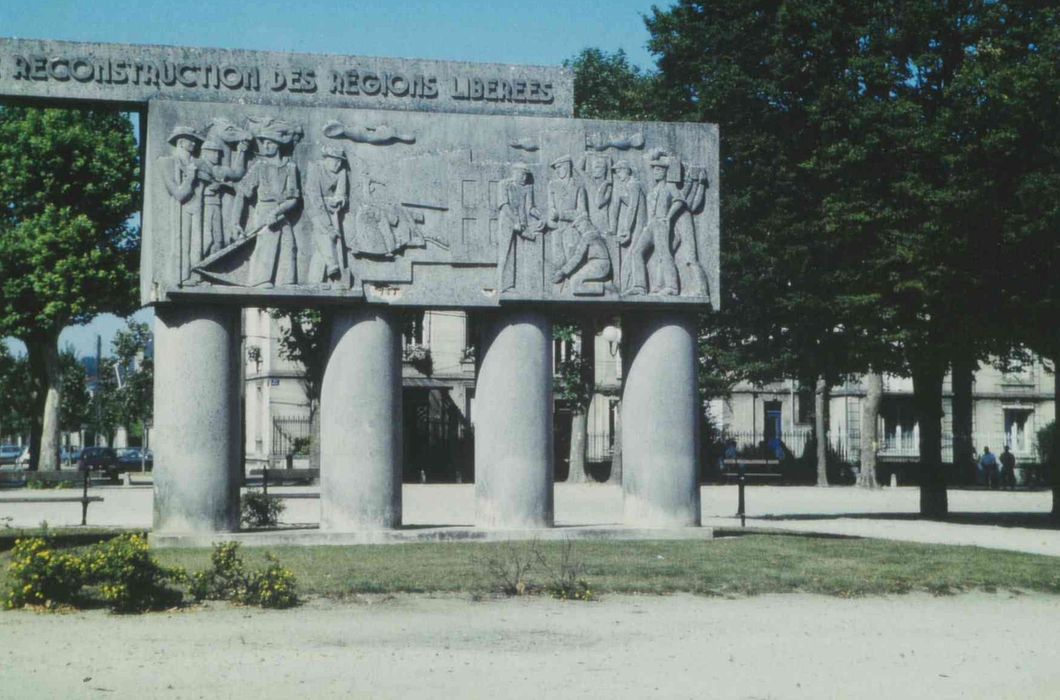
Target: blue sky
pixel 543 32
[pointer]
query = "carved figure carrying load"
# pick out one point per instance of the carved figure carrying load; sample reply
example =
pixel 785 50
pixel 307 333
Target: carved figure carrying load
pixel 664 203
pixel 179 174
pixel 567 200
pixel 519 220
pixel 327 196
pixel 588 265
pixel 383 228
pixel 273 184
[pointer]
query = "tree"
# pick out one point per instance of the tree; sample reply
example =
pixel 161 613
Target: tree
pixel 73 409
pixel 1018 88
pixel 870 411
pixel 575 385
pixel 774 76
pixel 608 86
pixel 69 181
pixel 134 363
pixel 16 394
pixel 305 338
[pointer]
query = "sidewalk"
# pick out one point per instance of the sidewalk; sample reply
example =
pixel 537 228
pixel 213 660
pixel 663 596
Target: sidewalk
pixel 1016 521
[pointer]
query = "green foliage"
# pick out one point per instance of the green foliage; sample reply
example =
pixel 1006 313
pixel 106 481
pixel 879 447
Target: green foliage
pixel 128 577
pixel 1046 441
pixel 574 375
pixel 608 86
pixel 16 394
pixel 305 337
pixel 130 402
pixel 40 575
pixel 260 509
pixel 228 579
pixel 75 400
pixel 69 181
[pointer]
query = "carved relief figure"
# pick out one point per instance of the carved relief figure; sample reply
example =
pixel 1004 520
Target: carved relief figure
pixel 519 220
pixel 663 203
pixel 216 176
pixel 273 184
pixel 383 228
pixel 690 272
pixel 588 265
pixel 598 189
pixel 327 196
pixel 380 135
pixel 179 174
pixel 627 218
pixel 567 200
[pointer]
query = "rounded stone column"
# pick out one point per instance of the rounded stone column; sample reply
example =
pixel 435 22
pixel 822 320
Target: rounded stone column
pixel 197 419
pixel 513 423
pixel 360 423
pixel 660 421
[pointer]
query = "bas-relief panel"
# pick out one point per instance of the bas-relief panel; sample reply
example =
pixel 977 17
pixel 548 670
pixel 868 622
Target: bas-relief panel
pixel 245 201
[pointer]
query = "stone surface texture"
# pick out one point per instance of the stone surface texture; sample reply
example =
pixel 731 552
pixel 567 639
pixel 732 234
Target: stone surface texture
pixel 254 204
pixel 197 419
pixel 660 422
pixel 513 423
pixel 35 69
pixel 360 431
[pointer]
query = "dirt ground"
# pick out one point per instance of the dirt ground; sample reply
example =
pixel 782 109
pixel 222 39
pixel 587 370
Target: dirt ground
pixel 979 645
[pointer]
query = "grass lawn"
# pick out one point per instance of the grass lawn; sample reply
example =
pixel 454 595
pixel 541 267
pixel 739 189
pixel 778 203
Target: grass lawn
pixel 748 565
pixel 738 566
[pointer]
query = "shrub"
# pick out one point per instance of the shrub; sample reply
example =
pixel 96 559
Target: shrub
pixel 128 577
pixel 566 579
pixel 39 575
pixel 274 586
pixel 259 509
pixel 508 567
pixel 228 579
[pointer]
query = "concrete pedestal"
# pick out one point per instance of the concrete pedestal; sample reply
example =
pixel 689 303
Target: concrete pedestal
pixel 513 423
pixel 660 422
pixel 360 423
pixel 197 419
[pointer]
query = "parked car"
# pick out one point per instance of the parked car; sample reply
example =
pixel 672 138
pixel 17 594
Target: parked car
pixel 133 458
pixel 9 453
pixel 103 459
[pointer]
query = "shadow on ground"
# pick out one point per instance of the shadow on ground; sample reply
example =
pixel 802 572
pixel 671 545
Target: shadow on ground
pixel 1040 521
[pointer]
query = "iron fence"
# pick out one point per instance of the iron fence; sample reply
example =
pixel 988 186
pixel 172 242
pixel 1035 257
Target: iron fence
pixel 290 435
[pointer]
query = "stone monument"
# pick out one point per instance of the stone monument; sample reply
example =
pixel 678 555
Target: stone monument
pixel 366 186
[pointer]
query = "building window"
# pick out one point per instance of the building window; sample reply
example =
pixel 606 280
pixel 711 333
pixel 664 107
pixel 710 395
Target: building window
pixel 1017 424
pixel 899 427
pixel 774 425
pixel 412 331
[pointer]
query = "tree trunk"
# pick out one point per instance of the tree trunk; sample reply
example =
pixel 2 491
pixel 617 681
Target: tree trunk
pixel 927 398
pixel 578 433
pixel 870 418
pixel 44 431
pixel 820 424
pixel 963 447
pixel 1054 468
pixel 579 419
pixel 615 477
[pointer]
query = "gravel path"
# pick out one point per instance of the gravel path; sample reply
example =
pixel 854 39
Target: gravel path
pixel 969 646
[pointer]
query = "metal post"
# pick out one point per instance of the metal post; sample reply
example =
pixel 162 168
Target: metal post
pixel 84 499
pixel 741 480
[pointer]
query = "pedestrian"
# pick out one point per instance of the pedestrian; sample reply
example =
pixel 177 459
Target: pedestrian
pixel 1008 469
pixel 988 463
